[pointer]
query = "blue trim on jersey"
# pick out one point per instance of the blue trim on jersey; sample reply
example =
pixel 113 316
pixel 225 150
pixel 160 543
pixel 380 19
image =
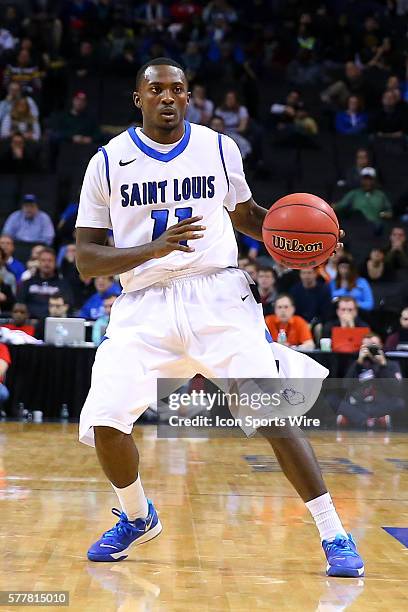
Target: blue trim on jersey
pixel 106 167
pixel 222 159
pixel 268 336
pixel 164 157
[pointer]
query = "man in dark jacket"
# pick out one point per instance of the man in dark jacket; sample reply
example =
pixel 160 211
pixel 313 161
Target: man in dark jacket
pixel 312 297
pixel 377 392
pixel 36 291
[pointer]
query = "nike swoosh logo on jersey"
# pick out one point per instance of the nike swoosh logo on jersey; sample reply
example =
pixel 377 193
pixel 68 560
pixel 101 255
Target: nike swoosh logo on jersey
pixel 122 163
pixel 244 298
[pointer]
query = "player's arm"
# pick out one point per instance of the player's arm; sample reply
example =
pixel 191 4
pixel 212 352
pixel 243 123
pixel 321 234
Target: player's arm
pixel 95 258
pixel 248 218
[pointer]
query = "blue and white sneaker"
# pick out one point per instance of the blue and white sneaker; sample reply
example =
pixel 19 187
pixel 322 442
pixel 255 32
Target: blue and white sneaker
pixel 115 544
pixel 342 557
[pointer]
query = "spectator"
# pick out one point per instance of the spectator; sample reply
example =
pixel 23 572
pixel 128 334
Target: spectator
pixel 353 120
pixel 266 280
pixel 337 94
pixel 36 291
pixel 284 113
pixel 32 262
pixel 20 120
pixel 101 323
pixel 330 268
pixel 312 297
pixel 234 115
pixel 20 320
pixel 30 224
pixel 297 330
pixel 348 283
pixel 86 62
pixel 76 125
pixel 152 15
pixel 370 403
pixel 304 69
pixel 24 71
pixel 252 270
pixel 396 255
pixel 347 316
pixel 14 94
pixel 5 362
pixel 7 298
pixel 219 10
pixel 352 178
pixel 184 11
pixel 13 265
pixel 200 108
pixel 57 307
pixel 370 202
pixel 390 121
pixel 66 223
pixel 192 60
pixel 217 124
pixel 374 268
pixel 20 157
pixel 7 277
pixel 105 287
pixel 399 340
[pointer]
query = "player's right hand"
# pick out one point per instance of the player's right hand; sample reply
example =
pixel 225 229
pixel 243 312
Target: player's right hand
pixel 169 241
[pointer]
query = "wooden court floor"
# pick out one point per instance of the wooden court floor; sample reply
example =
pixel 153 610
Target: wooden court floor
pixel 236 537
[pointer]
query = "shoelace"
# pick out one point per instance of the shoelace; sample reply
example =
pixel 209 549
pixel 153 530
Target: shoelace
pixel 340 544
pixel 122 526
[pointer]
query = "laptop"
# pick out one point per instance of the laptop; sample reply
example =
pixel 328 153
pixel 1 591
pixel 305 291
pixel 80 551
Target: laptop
pixel 64 331
pixel 348 339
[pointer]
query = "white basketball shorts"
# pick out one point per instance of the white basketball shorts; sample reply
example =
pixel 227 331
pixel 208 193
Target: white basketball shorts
pixel 209 324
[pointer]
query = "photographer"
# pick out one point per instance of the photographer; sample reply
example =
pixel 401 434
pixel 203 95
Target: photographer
pixel 371 401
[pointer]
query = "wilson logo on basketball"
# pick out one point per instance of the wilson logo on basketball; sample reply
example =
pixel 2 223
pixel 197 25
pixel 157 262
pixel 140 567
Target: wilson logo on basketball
pixel 294 246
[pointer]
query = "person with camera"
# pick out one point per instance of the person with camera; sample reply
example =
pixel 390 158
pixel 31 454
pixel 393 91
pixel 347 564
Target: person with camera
pixel 377 393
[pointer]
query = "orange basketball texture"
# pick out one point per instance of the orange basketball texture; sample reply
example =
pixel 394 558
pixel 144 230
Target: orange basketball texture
pixel 300 231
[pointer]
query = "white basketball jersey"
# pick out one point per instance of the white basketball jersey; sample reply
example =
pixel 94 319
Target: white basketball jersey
pixel 139 188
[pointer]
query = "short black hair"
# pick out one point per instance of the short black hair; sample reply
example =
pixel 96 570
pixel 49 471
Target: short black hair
pixel 157 61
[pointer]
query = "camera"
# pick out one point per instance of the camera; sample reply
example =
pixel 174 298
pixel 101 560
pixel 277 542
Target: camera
pixel 374 349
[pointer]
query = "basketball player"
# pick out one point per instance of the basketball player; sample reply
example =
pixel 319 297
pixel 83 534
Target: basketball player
pixel 172 193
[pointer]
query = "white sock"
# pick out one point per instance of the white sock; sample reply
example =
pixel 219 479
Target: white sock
pixel 325 516
pixel 133 500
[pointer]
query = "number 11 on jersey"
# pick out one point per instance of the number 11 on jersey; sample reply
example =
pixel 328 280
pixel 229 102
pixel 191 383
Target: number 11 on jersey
pixel 161 218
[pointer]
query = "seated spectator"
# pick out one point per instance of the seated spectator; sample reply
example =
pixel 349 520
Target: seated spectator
pixel 5 362
pixel 352 178
pixel 192 60
pixel 396 255
pixel 304 70
pixel 101 323
pixel 30 224
pixel 330 268
pixel 66 223
pixel 370 202
pixel 337 94
pixel 353 120
pixel 200 108
pixel 36 291
pixel 76 125
pixel 374 268
pixel 297 330
pixel 399 340
pixel 20 120
pixel 252 270
pixel 24 71
pixel 369 403
pixel 13 265
pixel 347 316
pixel 266 280
pixel 85 61
pixel 14 93
pixel 391 120
pixel 234 114
pixel 152 14
pixel 5 276
pixel 285 113
pixel 57 307
pixel 19 157
pixel 348 283
pixel 32 262
pixel 286 277
pixel 19 320
pixel 244 146
pixel 105 287
pixel 312 297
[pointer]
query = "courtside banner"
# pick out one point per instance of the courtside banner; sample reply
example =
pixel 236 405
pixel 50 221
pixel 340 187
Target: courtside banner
pixel 277 407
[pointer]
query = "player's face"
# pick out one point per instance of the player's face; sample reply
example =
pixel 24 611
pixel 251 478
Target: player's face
pixel 163 97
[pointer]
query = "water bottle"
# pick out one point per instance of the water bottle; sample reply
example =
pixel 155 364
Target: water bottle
pixel 21 412
pixel 60 335
pixel 64 414
pixel 282 337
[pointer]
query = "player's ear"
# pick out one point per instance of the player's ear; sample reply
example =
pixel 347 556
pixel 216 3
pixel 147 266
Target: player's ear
pixel 136 99
pixel 188 97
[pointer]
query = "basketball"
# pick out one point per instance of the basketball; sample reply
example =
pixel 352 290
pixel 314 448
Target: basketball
pixel 300 231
